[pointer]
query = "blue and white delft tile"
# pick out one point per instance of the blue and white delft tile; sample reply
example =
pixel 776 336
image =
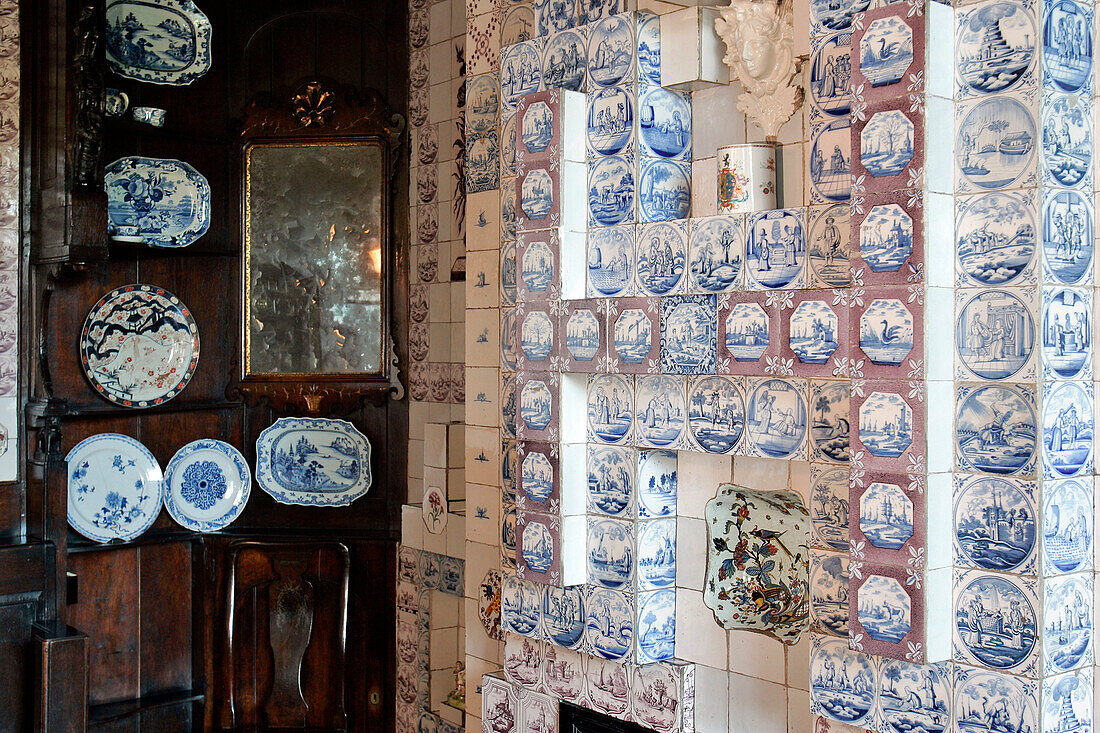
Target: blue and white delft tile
pixel 538 402
pixel 1067 334
pixel 886 617
pixel 648 39
pixel 521 606
pixel 664 123
pixel 522 661
pixel 519 25
pixel 1067 702
pixel 995 236
pixel 657 483
pixel 885 515
pixel 507 534
pixel 816 333
pixel 1067 46
pixel 656 626
pixel 634 335
pixel 776 418
pixel 660 415
pixel 1068 429
pixel 749 333
pixel 843 683
pixel 408 564
pixel 482 104
pixel 564 58
pixel 996 145
pixel 508 145
pixel 612 51
pixel 831 75
pixel 609 681
pixel 829 422
pixel 830 246
pixel 829 162
pixel 888 241
pixel 520 72
pixel 611 124
pixel 563 615
pixel 688 334
pixel 995 334
pixel 591 11
pixel 509 349
pixel 1067 141
pixel 1067 526
pixel 889 334
pixel 556 15
pixel 1068 244
pixel 717 253
pixel 539 477
pixel 829 507
pixel 508 273
pixel 995 49
pixel 611 555
pixel 890 151
pixel 661 250
pixel 827 17
pixel 829 593
pixel 538 275
pixel 611 261
pixel 509 468
pixel 995 619
pixel 507 210
pixel 612 198
pixel 452 571
pixel 656 543
pixel 611 480
pixel 918 697
pixel 995 524
pixel 664 190
pixel 776 249
pixel 538 330
pixel 1067 622
pixel 482 162
pixel 429 570
pixel 610 408
pixel 583 336
pixel 888 47
pixel 716 414
pixel 890 420
pixel 609 629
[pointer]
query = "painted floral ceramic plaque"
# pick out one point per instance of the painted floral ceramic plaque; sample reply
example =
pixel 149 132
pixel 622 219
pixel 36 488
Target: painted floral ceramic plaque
pixel 115 487
pixel 758 561
pixel 139 346
pixel 313 461
pixel 158 41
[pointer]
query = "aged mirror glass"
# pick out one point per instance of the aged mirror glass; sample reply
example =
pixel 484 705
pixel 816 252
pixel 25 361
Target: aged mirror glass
pixel 314 225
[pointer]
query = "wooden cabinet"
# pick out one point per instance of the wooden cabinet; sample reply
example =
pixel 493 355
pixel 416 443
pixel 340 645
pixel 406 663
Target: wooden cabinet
pixel 286 618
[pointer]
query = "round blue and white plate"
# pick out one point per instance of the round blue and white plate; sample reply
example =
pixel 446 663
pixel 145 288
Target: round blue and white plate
pixel 207 484
pixel 115 487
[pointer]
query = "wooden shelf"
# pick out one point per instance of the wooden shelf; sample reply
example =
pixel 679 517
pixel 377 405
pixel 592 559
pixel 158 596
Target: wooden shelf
pixel 78 544
pixel 120 710
pixel 61 408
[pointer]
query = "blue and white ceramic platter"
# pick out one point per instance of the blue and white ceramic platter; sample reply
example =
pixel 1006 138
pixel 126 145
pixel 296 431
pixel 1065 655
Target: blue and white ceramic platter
pixel 313 462
pixel 207 484
pixel 167 201
pixel 115 487
pixel 157 41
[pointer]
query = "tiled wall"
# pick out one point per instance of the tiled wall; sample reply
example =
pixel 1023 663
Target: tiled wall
pixel 9 238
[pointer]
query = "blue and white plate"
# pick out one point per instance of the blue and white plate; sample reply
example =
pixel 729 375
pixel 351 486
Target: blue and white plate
pixel 207 484
pixel 165 203
pixel 158 41
pixel 313 461
pixel 115 487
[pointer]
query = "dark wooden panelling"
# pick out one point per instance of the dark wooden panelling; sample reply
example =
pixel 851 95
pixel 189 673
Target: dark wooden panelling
pixel 16 691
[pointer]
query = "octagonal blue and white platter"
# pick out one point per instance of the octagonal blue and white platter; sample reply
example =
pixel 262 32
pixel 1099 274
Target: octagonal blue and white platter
pixel 115 488
pixel 206 485
pixel 158 41
pixel 313 461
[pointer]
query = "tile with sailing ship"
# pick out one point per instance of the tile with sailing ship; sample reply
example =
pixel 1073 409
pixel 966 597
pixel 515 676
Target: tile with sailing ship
pixel 583 336
pixel 887 333
pixel 888 240
pixel 1067 46
pixel 538 548
pixel 538 402
pixel 829 246
pixel 996 429
pixel 829 592
pixel 608 681
pixel 1067 333
pixel 889 154
pixel 995 49
pixel 775 253
pixel 610 407
pixel 995 144
pixel 749 333
pixel 664 189
pixel 565 60
pixel 612 194
pixel 633 334
pixel 537 334
pixel 716 413
pixel 886 617
pixel 829 507
pixel 662 251
pixel 610 261
pixel 660 415
pixel 1067 526
pixel 612 51
pixel 815 333
pixel 609 631
pixel 995 237
pixel 520 72
pixel 1067 141
pixel 521 606
pixel 888 522
pixel 664 123
pixel 539 480
pixel 1067 702
pixel 716 253
pixel 830 431
pixel 1067 623
pixel 995 621
pixel 843 683
pixel 538 266
pixel 995 334
pixel 660 697
pixel 611 122
pixel 996 523
pixel 1068 429
pixel 887 52
pixel 688 334
pixel 889 419
pixel 831 76
pixel 829 162
pixel 1068 243
pixel 482 104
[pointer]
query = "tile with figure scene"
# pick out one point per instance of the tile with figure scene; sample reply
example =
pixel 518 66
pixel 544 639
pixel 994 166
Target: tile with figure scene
pixel 915 697
pixel 1067 333
pixel 612 51
pixel 1067 141
pixel 749 333
pixel 831 75
pixel 1068 244
pixel 660 414
pixel 612 477
pixel 995 429
pixel 995 143
pixel 508 145
pixel 829 246
pixel 609 631
pixel 563 615
pixel 565 60
pixel 664 189
pixel 995 523
pixel 717 253
pixel 982 695
pixel 508 286
pixel 482 162
pixel 664 123
pixel 499 705
pixel 843 683
pixel 1067 526
pixel 661 250
pixel 611 556
pixel 995 334
pixel 564 673
pixel 829 161
pixel 829 507
pixel 610 408
pixel 716 413
pixel 1068 428
pixel 520 71
pixel 688 334
pixel 995 619
pixel 521 604
pixel 611 261
pixel 829 592
pixel 776 249
pixel 611 123
pixel 1067 46
pixel 1067 622
pixel 611 191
